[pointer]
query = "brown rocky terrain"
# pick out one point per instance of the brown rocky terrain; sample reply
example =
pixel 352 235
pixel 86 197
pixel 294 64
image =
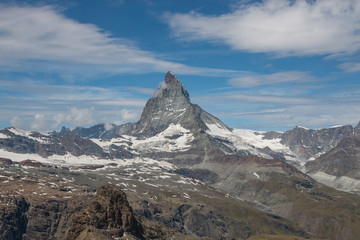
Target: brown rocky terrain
pixel 51 203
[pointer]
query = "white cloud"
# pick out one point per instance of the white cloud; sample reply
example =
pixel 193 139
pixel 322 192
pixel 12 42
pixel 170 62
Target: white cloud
pixel 74 116
pixel 39 123
pixel 271 79
pixel 257 109
pixel 147 91
pixel 47 107
pixel 271 99
pixel 17 122
pixel 129 115
pixel 350 67
pixel 122 102
pixel 281 27
pixel 43 39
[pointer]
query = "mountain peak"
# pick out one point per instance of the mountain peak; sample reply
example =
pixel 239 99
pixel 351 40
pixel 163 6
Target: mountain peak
pixel 171 104
pixel 171 79
pixel 171 87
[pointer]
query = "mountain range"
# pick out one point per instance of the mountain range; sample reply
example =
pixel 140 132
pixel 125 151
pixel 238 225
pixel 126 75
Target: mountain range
pixel 181 173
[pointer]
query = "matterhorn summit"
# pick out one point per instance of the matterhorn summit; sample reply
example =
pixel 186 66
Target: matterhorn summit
pixel 171 104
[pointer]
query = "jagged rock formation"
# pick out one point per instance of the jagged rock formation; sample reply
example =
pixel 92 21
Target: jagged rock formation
pixel 171 104
pixel 108 214
pixel 308 143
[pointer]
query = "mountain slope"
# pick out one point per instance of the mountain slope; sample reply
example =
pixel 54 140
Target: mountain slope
pixel 340 167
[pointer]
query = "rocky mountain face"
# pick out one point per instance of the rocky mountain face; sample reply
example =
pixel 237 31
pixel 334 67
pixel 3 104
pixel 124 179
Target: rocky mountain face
pixel 340 167
pixel 185 173
pixel 310 143
pixel 171 104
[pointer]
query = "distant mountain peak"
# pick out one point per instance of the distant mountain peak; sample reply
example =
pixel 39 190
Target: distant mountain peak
pixel 171 104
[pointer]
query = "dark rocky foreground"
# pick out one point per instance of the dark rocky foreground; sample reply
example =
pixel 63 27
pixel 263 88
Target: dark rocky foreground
pixel 53 203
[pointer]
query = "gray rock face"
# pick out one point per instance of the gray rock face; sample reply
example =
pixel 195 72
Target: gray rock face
pixel 342 160
pixel 171 105
pixel 307 143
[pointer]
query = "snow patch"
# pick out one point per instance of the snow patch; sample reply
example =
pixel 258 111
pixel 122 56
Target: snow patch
pixel 3 136
pixel 235 137
pixel 43 139
pixel 83 160
pixel 173 139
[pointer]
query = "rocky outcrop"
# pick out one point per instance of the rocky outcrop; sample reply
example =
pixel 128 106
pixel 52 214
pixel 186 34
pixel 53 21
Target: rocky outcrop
pixel 108 214
pixel 13 218
pixel 4 162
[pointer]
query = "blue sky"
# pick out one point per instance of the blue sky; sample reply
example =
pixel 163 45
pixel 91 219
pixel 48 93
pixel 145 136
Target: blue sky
pixel 262 65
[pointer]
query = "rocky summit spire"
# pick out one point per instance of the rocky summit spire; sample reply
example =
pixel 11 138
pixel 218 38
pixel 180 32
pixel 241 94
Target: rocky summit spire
pixel 171 79
pixel 171 104
pixel 172 86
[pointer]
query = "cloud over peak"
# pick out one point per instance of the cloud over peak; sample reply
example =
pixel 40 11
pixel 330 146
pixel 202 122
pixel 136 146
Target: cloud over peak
pixel 280 27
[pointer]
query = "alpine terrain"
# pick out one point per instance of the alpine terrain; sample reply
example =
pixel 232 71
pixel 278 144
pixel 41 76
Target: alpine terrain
pixel 179 173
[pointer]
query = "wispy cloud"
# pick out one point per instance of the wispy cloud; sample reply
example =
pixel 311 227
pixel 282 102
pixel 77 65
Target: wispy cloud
pixel 44 39
pixel 271 79
pixel 280 27
pixel 30 105
pixel 350 67
pixel 281 108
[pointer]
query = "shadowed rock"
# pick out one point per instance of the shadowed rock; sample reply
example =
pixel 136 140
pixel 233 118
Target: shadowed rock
pixel 107 215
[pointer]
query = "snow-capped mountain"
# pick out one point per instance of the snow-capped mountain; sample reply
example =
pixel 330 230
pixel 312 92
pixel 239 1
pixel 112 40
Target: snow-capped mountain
pixel 171 104
pixel 179 155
